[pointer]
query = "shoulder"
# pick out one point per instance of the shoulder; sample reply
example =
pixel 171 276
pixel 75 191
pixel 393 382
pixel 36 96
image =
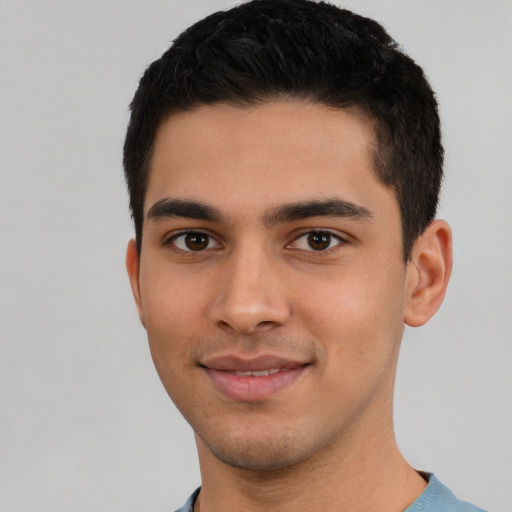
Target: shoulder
pixel 189 505
pixel 438 498
pixel 435 498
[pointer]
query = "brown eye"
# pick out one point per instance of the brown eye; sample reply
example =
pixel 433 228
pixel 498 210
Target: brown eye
pixel 194 241
pixel 319 240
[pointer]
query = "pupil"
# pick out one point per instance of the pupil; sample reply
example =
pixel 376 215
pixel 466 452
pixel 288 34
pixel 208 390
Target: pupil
pixel 319 241
pixel 196 241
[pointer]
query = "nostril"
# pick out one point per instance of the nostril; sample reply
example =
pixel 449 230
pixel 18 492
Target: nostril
pixel 266 323
pixel 224 326
pixel 239 327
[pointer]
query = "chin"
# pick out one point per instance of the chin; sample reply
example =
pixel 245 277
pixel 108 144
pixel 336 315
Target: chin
pixel 263 454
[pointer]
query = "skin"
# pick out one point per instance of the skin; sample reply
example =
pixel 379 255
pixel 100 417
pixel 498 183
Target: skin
pixel 325 440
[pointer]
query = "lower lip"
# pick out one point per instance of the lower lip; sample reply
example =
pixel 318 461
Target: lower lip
pixel 246 388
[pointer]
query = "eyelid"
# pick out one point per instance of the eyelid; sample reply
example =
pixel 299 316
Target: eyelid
pixel 170 239
pixel 341 240
pixel 214 243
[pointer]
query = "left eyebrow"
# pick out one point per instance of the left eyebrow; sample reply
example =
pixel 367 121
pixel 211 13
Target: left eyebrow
pixel 317 208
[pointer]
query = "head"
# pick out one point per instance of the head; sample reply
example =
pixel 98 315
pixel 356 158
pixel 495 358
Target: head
pixel 269 50
pixel 283 161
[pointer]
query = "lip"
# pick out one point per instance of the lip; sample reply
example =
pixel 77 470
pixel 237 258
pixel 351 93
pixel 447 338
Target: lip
pixel 224 373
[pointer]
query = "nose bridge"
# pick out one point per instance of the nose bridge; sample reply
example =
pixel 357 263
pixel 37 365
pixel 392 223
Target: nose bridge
pixel 250 295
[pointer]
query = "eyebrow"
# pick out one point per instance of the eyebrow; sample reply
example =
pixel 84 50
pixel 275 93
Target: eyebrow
pixel 317 208
pixel 170 208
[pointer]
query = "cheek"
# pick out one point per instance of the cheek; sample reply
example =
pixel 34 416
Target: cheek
pixel 171 307
pixel 171 315
pixel 359 330
pixel 172 319
pixel 357 316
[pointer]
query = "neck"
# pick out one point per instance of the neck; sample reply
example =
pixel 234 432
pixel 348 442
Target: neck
pixel 357 473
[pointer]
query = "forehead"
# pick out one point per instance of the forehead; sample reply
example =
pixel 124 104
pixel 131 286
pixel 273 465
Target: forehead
pixel 263 155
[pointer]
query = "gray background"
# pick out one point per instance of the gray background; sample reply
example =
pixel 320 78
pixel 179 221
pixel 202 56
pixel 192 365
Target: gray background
pixel 84 422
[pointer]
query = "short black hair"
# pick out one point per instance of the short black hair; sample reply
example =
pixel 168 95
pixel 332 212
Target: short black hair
pixel 266 50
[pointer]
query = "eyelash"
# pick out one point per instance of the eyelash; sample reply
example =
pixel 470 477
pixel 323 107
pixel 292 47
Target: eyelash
pixel 340 241
pixel 171 241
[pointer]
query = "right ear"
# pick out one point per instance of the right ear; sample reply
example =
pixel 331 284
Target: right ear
pixel 133 267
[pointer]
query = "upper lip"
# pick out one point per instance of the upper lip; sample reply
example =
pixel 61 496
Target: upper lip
pixel 263 362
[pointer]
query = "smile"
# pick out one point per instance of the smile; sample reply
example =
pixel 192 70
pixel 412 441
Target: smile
pixel 252 380
pixel 259 373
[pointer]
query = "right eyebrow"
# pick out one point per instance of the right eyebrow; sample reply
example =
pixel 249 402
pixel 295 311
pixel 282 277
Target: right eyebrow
pixel 171 208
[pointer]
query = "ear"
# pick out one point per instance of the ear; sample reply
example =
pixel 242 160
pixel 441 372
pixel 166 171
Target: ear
pixel 428 273
pixel 133 267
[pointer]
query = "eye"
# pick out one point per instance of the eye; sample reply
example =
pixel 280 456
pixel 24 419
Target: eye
pixel 194 241
pixel 316 241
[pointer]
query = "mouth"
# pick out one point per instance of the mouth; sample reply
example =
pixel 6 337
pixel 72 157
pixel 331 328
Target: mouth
pixel 252 380
pixel 258 373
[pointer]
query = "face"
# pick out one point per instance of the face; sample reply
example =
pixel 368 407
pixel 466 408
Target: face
pixel 271 281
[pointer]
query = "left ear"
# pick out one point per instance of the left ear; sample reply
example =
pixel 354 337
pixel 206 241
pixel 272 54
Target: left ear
pixel 428 273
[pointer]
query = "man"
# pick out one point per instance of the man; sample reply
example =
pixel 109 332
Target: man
pixel 284 161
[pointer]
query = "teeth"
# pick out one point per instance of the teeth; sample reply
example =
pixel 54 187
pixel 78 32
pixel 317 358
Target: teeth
pixel 258 373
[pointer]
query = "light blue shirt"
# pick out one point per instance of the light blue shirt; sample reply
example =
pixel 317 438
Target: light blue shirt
pixel 435 498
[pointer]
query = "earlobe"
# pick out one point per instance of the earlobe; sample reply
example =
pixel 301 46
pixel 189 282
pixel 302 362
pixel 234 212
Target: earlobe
pixel 428 273
pixel 132 266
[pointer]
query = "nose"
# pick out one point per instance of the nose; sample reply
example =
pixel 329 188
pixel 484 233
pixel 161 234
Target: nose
pixel 250 296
